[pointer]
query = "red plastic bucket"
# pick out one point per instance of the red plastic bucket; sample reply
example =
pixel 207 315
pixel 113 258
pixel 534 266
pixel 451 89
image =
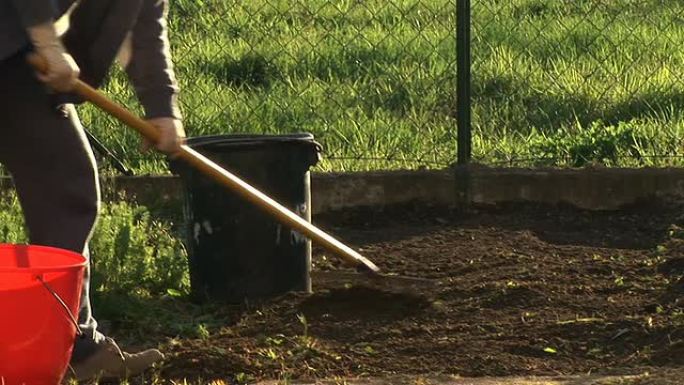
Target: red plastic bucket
pixel 40 290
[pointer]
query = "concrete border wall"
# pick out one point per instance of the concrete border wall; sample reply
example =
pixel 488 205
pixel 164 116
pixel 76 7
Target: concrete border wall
pixel 591 188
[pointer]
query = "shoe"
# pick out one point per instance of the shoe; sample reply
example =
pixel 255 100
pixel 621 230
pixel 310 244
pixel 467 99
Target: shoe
pixel 109 363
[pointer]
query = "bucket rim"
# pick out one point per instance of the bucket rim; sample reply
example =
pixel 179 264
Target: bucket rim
pixel 49 269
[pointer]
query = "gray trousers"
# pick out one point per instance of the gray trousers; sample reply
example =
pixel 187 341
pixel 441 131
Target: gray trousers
pixel 44 147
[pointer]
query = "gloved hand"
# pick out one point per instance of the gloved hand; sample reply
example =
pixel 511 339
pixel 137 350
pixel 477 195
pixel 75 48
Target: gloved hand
pixel 172 135
pixel 62 69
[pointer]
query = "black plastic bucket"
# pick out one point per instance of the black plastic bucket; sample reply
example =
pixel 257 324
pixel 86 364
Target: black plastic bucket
pixel 236 251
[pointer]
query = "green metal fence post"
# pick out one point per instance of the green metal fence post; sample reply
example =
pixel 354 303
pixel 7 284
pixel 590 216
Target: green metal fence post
pixel 463 81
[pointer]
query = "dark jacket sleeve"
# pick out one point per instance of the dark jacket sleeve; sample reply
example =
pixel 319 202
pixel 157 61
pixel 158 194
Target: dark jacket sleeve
pixel 150 68
pixel 35 12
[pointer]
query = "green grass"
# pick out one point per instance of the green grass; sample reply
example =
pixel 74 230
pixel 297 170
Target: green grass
pixel 578 70
pixel 375 81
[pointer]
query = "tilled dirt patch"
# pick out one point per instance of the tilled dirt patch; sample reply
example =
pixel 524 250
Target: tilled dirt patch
pixel 522 290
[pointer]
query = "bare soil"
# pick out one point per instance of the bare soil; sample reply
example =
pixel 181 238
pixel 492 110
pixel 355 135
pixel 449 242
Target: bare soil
pixel 521 290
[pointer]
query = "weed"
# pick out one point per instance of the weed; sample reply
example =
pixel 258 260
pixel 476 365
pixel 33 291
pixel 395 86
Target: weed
pixel 202 331
pixel 550 350
pixel 598 143
pixel 11 220
pixel 304 323
pixel 133 252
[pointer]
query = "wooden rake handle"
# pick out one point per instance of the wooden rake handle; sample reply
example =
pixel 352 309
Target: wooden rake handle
pixel 220 175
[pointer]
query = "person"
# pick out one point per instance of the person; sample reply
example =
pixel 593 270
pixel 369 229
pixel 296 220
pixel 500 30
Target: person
pixel 43 144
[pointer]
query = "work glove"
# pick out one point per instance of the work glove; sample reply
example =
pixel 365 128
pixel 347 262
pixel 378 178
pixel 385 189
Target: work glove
pixel 62 71
pixel 171 135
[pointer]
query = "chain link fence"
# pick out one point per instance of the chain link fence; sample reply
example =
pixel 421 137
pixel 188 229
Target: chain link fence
pixel 575 83
pixel 374 81
pixel 552 82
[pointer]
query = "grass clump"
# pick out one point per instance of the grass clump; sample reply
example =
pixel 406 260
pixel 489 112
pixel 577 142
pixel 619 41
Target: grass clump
pixel 131 251
pixel 597 144
pixel 11 220
pixel 134 253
